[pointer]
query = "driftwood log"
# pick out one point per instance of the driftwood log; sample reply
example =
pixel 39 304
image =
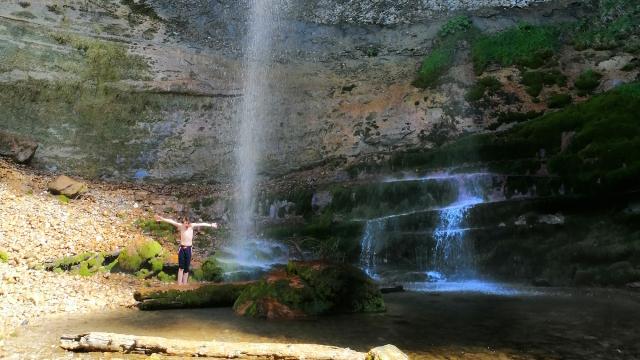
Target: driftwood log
pixel 189 296
pixel 108 342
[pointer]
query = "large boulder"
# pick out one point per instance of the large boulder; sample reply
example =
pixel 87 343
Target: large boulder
pixel 303 289
pixel 20 148
pixel 64 185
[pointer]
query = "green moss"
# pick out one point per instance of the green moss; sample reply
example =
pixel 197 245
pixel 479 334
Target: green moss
pixel 536 80
pixel 206 295
pixel 164 277
pixel 110 266
pixel 210 270
pixel 143 273
pixel 434 66
pixel 156 264
pixel 129 260
pixel 587 81
pixel 149 249
pixel 4 257
pixel 105 61
pixel 604 155
pixel 67 262
pixel 487 84
pixel 157 229
pixel 321 289
pixel 614 25
pixel 556 101
pixel 455 25
pixel 524 45
pixel 63 199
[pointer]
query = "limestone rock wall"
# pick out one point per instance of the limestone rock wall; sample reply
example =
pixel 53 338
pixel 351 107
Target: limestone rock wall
pixel 342 75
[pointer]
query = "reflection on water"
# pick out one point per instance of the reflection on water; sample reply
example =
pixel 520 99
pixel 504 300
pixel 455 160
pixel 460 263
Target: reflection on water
pixel 468 286
pixel 448 325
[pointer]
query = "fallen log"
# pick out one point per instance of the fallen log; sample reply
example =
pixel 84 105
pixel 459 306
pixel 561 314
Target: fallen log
pixel 109 342
pixel 189 296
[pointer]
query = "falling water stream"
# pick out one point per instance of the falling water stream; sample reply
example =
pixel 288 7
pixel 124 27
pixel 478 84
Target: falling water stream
pixel 450 264
pixel 247 254
pixel 251 116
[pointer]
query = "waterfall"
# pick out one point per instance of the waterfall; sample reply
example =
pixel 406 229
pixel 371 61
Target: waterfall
pixel 252 114
pixel 372 231
pixel 451 254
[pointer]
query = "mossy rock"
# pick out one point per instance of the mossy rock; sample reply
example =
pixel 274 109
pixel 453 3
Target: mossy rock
pixel 129 260
pixel 4 257
pixel 149 249
pixel 210 270
pixel 148 254
pixel 303 289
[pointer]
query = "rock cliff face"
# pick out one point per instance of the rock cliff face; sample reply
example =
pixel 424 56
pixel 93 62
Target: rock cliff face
pixel 342 74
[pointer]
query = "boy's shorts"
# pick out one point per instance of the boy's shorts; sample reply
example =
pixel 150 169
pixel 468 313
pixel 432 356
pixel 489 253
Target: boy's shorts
pixel 184 258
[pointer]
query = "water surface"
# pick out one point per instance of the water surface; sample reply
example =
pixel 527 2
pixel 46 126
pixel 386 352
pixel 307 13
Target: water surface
pixel 553 324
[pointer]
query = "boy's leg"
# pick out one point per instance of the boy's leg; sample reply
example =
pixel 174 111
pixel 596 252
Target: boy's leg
pixel 181 264
pixel 187 265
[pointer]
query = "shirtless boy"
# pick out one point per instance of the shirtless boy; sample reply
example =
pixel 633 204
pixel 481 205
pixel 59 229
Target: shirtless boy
pixel 186 241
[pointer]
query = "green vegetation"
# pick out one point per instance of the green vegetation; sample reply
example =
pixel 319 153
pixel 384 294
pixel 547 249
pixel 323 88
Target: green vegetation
pixel 106 61
pixel 164 277
pixel 614 26
pixel 84 264
pixel 434 66
pixel 310 289
pixel 455 25
pixel 443 53
pixel 144 260
pixel 557 101
pixel 63 199
pixel 4 257
pixel 603 156
pixel 147 254
pixel 210 270
pixel 160 230
pixel 587 81
pixel 536 80
pixel 487 84
pixel 205 295
pixel 524 45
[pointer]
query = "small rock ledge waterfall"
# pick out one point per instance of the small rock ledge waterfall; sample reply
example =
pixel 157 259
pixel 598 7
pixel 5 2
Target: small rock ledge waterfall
pixel 444 259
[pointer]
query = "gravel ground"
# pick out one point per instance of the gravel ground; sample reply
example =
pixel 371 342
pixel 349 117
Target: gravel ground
pixel 35 227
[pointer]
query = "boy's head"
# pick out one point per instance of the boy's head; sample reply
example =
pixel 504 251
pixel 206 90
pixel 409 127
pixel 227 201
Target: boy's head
pixel 185 221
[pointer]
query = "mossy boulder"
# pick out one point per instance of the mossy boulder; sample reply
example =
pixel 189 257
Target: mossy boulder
pixel 303 289
pixel 210 270
pixel 147 254
pixel 84 264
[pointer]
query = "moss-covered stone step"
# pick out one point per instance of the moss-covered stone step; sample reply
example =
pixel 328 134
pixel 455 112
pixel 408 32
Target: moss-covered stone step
pixel 189 296
pixel 304 289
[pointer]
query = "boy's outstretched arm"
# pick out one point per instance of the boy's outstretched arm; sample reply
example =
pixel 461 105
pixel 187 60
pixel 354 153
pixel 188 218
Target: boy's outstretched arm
pixel 211 225
pixel 169 221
